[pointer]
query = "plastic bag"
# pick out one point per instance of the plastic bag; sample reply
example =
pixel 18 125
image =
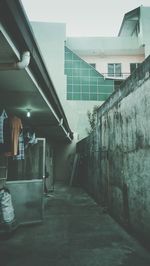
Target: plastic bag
pixel 6 207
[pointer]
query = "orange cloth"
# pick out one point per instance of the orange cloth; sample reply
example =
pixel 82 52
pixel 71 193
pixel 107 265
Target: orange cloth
pixel 16 127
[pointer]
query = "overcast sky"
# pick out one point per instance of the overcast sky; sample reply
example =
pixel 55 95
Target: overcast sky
pixel 83 17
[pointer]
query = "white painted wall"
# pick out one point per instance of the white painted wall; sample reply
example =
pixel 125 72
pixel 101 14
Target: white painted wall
pixel 104 45
pixel 50 38
pixel 102 62
pixel 77 115
pixel 144 36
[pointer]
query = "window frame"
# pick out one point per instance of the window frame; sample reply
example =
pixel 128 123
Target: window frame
pixel 114 74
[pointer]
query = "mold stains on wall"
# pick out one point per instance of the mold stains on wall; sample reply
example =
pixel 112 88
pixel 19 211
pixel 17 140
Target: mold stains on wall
pixel 117 163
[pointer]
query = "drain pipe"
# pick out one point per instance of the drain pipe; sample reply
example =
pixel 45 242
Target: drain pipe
pixel 17 65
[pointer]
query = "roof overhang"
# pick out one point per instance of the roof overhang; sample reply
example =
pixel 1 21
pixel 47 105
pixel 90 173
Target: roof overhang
pixel 129 23
pixel 29 88
pixel 104 46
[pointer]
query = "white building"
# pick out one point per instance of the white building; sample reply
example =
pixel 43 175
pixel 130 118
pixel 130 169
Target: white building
pixel 112 58
pixel 117 57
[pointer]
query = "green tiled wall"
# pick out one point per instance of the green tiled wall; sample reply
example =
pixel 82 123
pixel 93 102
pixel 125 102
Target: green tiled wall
pixel 83 81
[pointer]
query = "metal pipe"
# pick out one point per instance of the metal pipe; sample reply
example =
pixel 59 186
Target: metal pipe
pixel 17 65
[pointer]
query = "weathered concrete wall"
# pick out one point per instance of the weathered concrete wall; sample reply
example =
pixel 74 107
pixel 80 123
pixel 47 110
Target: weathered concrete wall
pixel 115 159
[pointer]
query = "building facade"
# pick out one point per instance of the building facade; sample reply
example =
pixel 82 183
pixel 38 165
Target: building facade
pixel 86 70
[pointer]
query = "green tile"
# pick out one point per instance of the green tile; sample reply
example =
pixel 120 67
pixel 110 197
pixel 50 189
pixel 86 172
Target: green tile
pixel 69 88
pixel 68 72
pixel 76 80
pixel 85 96
pixel 85 72
pixel 75 71
pixel 85 81
pixel 93 97
pixel 75 57
pixel 85 88
pixel 93 81
pixel 69 80
pixel 76 88
pixel 109 82
pixel 69 64
pixel 68 56
pixel 87 66
pixel 107 89
pixel 100 81
pixel 93 89
pixel 102 97
pixel 76 64
pixel 69 96
pixel 76 96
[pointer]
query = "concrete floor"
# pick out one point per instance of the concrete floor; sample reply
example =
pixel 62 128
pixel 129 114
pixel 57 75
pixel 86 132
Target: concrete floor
pixel 75 232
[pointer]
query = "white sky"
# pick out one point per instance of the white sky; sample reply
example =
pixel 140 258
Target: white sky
pixel 83 17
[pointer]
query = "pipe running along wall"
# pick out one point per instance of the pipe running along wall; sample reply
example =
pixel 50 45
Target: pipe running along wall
pixel 17 65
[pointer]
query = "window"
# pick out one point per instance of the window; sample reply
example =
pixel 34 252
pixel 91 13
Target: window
pixel 133 66
pixel 93 65
pixel 114 70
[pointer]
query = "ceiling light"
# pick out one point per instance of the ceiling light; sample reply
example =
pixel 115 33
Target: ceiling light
pixel 28 113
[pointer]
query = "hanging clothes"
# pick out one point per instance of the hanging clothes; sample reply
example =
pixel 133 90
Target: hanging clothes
pixel 12 136
pixel 20 156
pixel 29 137
pixel 2 118
pixel 16 127
pixel 6 146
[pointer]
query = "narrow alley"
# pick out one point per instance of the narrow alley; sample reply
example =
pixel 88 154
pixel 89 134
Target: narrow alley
pixel 75 111
pixel 75 232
